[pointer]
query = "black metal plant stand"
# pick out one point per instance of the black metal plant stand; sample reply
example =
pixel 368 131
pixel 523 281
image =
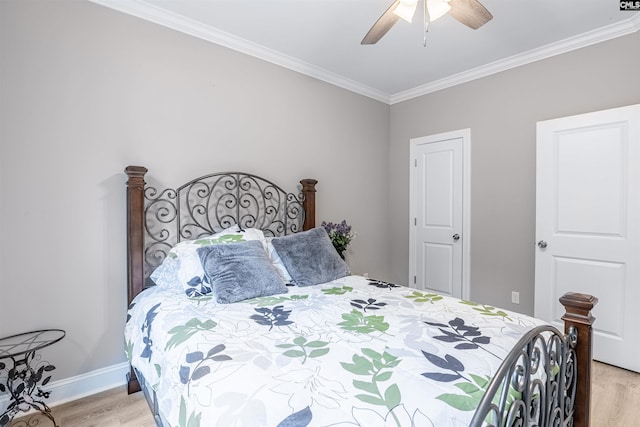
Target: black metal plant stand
pixel 27 374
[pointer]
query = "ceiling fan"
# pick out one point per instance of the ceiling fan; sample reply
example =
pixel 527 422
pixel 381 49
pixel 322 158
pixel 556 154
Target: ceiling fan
pixel 469 12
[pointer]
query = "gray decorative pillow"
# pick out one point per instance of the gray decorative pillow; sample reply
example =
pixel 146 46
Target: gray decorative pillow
pixel 310 257
pixel 239 271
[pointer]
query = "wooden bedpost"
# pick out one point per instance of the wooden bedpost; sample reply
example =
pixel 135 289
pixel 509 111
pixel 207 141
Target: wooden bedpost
pixel 135 245
pixel 309 203
pixel 578 315
pixel 135 230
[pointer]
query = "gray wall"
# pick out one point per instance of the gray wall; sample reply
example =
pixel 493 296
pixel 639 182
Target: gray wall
pixel 86 91
pixel 502 110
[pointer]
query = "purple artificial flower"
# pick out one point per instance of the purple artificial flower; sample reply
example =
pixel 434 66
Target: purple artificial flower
pixel 340 234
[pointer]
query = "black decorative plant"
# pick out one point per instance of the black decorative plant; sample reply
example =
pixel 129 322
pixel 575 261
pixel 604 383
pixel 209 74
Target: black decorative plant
pixel 23 384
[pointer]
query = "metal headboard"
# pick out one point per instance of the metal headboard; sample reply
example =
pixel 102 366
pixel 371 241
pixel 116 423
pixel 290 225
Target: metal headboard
pixel 212 203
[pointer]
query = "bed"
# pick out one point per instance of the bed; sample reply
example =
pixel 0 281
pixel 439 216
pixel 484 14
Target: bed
pixel 345 351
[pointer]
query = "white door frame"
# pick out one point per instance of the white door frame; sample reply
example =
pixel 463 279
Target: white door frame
pixel 465 135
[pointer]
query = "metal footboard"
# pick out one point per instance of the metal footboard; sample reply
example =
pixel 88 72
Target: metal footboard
pixel 536 383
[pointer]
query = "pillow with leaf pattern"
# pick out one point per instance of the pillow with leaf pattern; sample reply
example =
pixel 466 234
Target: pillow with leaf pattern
pixel 182 269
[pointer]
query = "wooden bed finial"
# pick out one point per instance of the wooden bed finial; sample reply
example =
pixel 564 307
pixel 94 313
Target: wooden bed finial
pixel 578 315
pixel 309 203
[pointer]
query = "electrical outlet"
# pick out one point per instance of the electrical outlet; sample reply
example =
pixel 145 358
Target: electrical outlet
pixel 515 297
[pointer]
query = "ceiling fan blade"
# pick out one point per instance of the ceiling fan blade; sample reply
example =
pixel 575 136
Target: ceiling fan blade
pixel 382 25
pixel 470 12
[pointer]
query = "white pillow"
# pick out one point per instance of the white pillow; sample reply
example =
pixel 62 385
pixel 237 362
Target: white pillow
pixel 277 262
pixel 182 267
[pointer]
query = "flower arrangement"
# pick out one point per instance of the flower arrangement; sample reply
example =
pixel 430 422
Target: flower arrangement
pixel 340 234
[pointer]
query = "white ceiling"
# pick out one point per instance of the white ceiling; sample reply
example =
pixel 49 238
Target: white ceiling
pixel 322 38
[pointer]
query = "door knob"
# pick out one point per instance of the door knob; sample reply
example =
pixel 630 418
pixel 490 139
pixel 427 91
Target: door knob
pixel 542 244
pixel 456 237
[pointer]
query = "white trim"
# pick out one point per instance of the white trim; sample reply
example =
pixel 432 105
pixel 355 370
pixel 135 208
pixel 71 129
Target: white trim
pixel 148 12
pixel 83 385
pixel 465 134
pixel 577 42
pixel 197 29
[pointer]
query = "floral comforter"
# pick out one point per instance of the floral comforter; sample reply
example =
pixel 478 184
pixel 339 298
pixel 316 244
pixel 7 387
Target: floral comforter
pixel 352 352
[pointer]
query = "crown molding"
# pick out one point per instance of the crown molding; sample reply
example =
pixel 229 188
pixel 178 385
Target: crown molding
pixel 582 40
pixel 160 16
pixel 148 12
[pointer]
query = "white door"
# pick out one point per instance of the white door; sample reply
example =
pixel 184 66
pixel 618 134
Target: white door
pixel 588 224
pixel 437 223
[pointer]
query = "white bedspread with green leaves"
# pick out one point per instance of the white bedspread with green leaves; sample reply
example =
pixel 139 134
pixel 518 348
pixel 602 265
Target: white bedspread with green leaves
pixel 352 352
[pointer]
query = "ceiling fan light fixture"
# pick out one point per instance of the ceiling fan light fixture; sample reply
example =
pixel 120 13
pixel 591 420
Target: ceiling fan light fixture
pixel 468 12
pixel 437 9
pixel 406 9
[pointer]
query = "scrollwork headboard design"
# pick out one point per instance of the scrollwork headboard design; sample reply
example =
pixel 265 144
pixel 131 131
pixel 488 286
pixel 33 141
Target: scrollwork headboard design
pixel 212 203
pixel 158 219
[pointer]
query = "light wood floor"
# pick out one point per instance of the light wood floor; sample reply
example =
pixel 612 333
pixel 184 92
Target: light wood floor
pixel 111 408
pixel 615 397
pixel 615 402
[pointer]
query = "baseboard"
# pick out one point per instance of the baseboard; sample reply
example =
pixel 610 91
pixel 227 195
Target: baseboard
pixel 80 386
